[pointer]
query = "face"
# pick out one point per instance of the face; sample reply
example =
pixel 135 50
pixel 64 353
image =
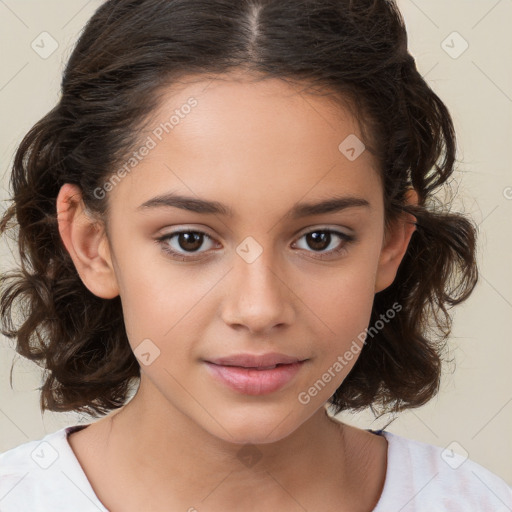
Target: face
pixel 253 271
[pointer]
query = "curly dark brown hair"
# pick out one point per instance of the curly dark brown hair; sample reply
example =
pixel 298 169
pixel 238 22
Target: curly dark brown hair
pixel 128 53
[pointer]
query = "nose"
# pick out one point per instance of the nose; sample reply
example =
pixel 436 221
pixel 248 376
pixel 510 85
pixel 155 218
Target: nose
pixel 258 297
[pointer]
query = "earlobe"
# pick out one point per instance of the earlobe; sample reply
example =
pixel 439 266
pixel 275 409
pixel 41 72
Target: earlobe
pixel 86 242
pixel 395 246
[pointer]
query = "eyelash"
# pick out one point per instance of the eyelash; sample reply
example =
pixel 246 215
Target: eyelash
pixel 180 256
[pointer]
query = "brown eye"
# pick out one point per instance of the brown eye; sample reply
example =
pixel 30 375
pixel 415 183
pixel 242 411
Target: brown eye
pixel 190 240
pixel 181 243
pixel 318 240
pixel 321 239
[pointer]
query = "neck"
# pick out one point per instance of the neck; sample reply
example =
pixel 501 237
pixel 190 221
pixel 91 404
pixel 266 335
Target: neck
pixel 187 466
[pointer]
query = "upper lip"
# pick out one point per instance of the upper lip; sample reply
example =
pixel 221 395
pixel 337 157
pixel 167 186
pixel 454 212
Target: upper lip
pixel 255 361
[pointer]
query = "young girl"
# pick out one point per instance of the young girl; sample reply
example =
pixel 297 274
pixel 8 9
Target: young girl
pixel 232 212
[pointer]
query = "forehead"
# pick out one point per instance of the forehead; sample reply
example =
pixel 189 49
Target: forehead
pixel 269 141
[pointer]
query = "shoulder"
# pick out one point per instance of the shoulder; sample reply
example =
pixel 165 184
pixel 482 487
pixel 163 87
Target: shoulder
pixel 44 475
pixel 421 476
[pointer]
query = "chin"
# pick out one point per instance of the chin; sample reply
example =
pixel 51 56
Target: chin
pixel 257 427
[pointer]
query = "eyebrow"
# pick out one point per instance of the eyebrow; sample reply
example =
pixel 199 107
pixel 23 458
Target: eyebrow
pixel 203 206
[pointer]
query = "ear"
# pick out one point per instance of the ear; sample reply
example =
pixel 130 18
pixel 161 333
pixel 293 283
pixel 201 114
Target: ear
pixel 86 241
pixel 395 245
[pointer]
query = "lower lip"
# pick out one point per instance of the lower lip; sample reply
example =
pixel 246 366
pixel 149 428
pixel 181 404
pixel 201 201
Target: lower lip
pixel 254 382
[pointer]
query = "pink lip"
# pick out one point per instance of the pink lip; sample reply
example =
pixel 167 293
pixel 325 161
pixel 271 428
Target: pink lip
pixel 251 381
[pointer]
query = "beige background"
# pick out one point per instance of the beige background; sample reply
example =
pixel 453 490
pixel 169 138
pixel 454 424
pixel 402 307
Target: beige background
pixel 474 407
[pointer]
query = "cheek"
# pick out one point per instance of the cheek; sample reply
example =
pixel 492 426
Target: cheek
pixel 148 296
pixel 342 299
pixel 163 301
pixel 342 306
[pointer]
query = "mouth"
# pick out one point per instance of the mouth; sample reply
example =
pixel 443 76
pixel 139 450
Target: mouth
pixel 255 380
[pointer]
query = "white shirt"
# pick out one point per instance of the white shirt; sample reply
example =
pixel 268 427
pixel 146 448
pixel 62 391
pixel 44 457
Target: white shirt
pixel 45 476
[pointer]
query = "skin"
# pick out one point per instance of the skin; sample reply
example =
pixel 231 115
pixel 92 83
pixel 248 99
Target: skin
pixel 259 148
